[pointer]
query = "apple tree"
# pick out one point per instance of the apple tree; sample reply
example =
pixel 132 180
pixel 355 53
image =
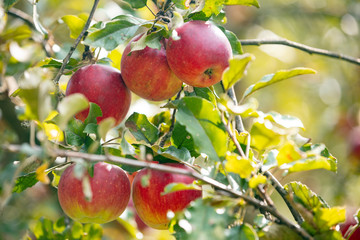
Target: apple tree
pixel 139 118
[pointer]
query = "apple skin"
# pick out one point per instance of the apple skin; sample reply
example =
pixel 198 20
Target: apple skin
pixel 151 206
pixel 147 74
pixel 111 194
pixel 104 86
pixel 201 55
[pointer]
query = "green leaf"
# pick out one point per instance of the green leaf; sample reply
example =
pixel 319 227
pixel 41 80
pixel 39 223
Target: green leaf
pixel 244 232
pixel 277 77
pixel 94 112
pixel 126 147
pixel 114 33
pixel 326 218
pixel 16 34
pixel 24 182
pixel 260 221
pixel 205 93
pixel 233 39
pixel 75 24
pixel 9 3
pixel 94 231
pixel 91 128
pixel 201 222
pixel 60 225
pixel 142 129
pixel 152 40
pixel 202 120
pixel 183 139
pixel 331 234
pixel 55 63
pixel 44 229
pixel 181 155
pixel 236 70
pixel 68 107
pixel 303 195
pixel 254 3
pixel 174 187
pixel 77 230
pixel 136 3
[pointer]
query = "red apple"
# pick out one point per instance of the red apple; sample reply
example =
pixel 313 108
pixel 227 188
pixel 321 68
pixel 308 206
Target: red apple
pixel 110 188
pixel 198 53
pixel 151 206
pixel 104 86
pixel 146 73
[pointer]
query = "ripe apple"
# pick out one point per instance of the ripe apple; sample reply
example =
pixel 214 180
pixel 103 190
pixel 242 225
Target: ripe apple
pixel 198 53
pixel 104 86
pixel 146 73
pixel 111 192
pixel 151 206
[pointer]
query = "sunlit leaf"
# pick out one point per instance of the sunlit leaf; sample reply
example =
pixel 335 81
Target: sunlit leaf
pixel 142 129
pixel 202 120
pixel 234 41
pixel 212 7
pixel 126 147
pixel 303 195
pixel 257 180
pixel 114 33
pixel 288 153
pixel 105 126
pixel 75 24
pixel 236 70
pixel 270 160
pixel 310 163
pixel 115 56
pixel 254 3
pixel 94 113
pixel 16 34
pixel 326 218
pixel 235 164
pixel 174 187
pixel 136 3
pixel 277 77
pixel 285 121
pixel 264 136
pixel 69 106
pixel 42 174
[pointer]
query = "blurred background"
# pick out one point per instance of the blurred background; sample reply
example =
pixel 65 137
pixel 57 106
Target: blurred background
pixel 328 103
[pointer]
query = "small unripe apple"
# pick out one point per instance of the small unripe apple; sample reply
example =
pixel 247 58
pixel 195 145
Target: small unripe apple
pixel 151 205
pixel 198 52
pixel 147 74
pixel 111 190
pixel 104 86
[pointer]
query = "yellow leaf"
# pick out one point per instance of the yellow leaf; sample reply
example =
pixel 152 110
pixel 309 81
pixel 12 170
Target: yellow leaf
pixel 115 56
pixel 288 153
pixel 236 164
pixel 256 180
pixel 52 131
pixel 41 174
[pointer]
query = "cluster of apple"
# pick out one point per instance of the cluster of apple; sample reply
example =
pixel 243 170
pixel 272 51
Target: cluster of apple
pixel 111 190
pixel 197 54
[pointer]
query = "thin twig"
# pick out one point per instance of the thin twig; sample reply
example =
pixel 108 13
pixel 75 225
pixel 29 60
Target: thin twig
pixel 77 41
pixel 283 193
pixel 302 47
pixel 232 136
pixel 160 167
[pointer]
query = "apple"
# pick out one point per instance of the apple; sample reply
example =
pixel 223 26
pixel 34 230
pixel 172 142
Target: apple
pixel 198 52
pixel 104 86
pixel 146 73
pixel 111 192
pixel 151 206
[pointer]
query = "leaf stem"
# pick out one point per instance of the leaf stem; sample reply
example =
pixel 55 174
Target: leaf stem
pixel 302 47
